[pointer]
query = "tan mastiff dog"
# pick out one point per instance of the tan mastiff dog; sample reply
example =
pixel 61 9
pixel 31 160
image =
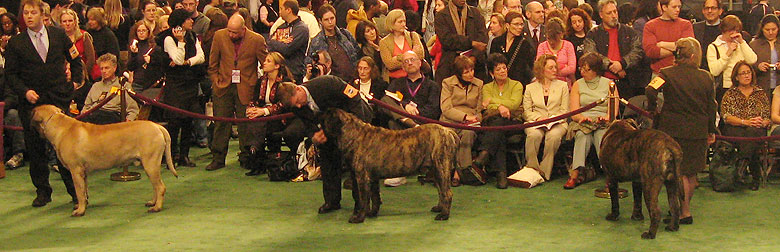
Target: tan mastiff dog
pixel 84 147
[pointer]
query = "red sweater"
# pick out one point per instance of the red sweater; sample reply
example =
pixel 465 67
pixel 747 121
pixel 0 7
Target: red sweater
pixel 658 30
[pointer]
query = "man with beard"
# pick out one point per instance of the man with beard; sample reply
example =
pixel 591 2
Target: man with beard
pixel 620 46
pixel 233 71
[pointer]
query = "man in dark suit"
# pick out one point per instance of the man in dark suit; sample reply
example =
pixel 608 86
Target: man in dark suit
pixel 534 27
pixel 35 70
pixel 308 100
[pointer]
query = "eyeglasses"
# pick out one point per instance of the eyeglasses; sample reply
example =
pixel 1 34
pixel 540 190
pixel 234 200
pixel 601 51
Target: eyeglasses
pixel 516 24
pixel 711 8
pixel 745 73
pixel 410 61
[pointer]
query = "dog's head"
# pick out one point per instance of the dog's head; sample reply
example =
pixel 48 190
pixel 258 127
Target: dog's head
pixel 333 121
pixel 41 115
pixel 619 128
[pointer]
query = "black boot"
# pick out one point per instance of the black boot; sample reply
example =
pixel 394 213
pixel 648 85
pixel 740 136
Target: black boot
pixel 501 182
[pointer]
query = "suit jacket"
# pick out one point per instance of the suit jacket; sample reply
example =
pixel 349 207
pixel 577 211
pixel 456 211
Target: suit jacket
pixel 25 70
pixel 527 34
pixel 329 91
pixel 452 43
pixel 689 105
pixel 557 102
pixel 222 62
pixel 458 100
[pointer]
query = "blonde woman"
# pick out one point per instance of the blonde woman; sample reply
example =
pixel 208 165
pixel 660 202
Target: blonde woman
pixel 399 40
pixel 118 23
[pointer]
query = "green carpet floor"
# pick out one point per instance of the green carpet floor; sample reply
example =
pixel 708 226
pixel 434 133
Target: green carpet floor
pixel 226 211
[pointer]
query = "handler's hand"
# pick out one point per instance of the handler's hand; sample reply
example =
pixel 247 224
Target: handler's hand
pixel 711 138
pixel 32 96
pixel 319 138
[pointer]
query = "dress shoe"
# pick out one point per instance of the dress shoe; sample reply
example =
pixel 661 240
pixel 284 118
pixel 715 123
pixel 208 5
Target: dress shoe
pixel 214 166
pixel 203 144
pixel 185 161
pixel 254 172
pixel 327 208
pixel 570 184
pixel 41 200
pixel 347 184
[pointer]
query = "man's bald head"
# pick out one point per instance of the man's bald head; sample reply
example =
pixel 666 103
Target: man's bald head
pixel 411 62
pixel 235 27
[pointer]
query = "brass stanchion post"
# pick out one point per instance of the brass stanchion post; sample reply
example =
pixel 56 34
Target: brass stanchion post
pixel 125 175
pixel 2 151
pixel 613 102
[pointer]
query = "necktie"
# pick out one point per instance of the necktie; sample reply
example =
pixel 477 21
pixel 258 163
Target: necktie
pixel 534 36
pixel 40 47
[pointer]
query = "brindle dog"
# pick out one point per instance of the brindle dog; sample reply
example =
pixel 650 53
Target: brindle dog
pixel 376 153
pixel 649 158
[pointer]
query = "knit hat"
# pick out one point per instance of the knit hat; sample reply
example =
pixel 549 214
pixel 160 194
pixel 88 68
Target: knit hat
pixel 177 17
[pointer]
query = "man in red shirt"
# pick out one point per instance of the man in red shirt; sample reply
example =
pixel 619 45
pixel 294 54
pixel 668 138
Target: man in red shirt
pixel 661 33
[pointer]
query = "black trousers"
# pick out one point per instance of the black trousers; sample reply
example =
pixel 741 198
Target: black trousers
pixel 748 150
pixel 103 117
pixel 180 130
pixel 272 133
pixel 494 142
pixel 35 146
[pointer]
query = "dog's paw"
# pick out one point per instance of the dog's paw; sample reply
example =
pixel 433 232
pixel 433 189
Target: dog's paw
pixel 612 216
pixel 77 213
pixel 149 203
pixel 442 217
pixel 436 209
pixel 672 228
pixel 648 235
pixel 637 217
pixel 153 210
pixel 356 219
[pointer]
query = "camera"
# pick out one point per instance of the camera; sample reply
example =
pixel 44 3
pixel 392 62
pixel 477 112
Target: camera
pixel 773 67
pixel 315 61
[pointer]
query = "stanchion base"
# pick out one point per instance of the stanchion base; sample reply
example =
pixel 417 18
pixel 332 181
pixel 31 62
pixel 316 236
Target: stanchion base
pixel 125 176
pixel 604 193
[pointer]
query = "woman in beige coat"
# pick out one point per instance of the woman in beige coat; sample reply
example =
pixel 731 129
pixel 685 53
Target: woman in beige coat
pixel 461 102
pixel 546 97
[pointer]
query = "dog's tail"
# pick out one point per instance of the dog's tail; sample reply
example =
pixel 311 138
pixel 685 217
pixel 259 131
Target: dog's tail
pixel 168 157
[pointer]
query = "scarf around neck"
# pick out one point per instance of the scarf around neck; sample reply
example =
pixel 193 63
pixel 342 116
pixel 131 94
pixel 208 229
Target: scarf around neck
pixel 458 20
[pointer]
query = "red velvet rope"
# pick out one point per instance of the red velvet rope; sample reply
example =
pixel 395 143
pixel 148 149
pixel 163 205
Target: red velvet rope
pixel 717 137
pixel 96 107
pixel 205 117
pixel 486 128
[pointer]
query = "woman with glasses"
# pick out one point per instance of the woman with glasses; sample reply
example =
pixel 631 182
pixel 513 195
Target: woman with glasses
pixel 745 109
pixel 726 51
pixel 589 127
pixel 517 50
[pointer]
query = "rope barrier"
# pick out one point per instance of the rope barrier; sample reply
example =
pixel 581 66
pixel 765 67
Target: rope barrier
pixel 717 137
pixel 152 102
pixel 487 128
pixel 96 107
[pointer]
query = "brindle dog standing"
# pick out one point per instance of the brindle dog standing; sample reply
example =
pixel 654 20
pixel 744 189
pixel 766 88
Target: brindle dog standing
pixel 649 158
pixel 376 153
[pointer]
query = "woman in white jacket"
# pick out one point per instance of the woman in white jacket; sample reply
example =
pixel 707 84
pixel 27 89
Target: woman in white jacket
pixel 728 49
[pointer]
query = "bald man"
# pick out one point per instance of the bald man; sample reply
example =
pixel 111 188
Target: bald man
pixel 233 72
pixel 534 28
